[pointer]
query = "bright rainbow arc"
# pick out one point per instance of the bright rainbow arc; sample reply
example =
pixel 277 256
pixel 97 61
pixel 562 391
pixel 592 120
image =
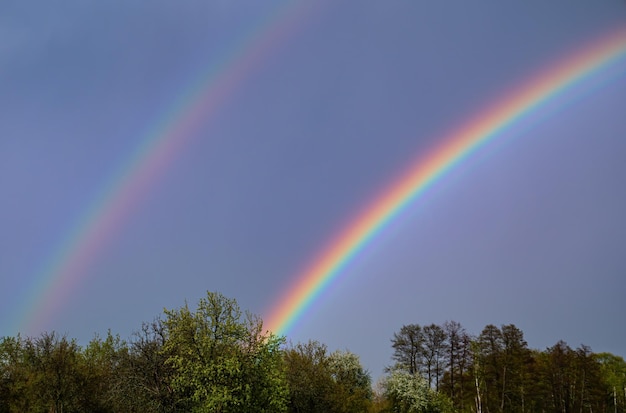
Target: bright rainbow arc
pixel 61 274
pixel 456 146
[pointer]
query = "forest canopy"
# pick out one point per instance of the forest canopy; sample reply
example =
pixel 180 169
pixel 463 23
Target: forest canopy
pixel 217 358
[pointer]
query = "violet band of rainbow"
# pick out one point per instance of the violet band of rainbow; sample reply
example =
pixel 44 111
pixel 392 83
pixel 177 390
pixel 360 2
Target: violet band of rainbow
pixel 485 126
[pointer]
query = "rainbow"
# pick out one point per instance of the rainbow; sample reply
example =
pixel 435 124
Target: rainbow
pixel 61 274
pixel 456 146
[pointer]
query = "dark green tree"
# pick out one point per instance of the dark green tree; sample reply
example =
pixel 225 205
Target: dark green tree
pixel 435 349
pixel 514 364
pixel 457 381
pixel 490 367
pixel 321 382
pixel 145 377
pixel 102 366
pixel 55 378
pixel 309 378
pixel 16 391
pixel 408 348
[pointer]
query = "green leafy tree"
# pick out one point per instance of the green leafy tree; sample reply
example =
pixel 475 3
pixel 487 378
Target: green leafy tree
pixel 309 378
pixel 55 377
pixel 590 388
pixel 326 383
pixel 406 392
pixel 264 370
pixel 145 377
pixel 16 391
pixel 514 364
pixel 102 362
pixel 352 383
pixel 613 370
pixel 222 363
pixel 490 367
pixel 569 380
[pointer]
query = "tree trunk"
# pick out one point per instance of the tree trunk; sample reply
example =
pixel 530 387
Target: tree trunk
pixel 582 393
pixel 478 401
pixel 503 389
pixel 614 399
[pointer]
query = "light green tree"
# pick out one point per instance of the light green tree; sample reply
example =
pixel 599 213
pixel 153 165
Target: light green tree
pixel 407 393
pixel 101 366
pixel 614 373
pixel 222 361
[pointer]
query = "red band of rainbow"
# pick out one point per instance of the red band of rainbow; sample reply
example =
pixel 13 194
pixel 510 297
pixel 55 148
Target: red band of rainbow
pixel 485 126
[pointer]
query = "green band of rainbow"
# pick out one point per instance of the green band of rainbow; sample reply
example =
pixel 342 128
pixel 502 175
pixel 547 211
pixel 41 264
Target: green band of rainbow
pixel 485 126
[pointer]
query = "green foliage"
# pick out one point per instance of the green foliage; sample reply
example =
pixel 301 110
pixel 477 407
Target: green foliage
pixel 143 377
pixel 319 382
pixel 42 374
pixel 502 363
pixel 101 369
pixel 407 393
pixel 352 387
pixel 410 393
pixel 438 402
pixel 221 360
pixel 613 370
pixel 215 358
pixel 14 390
pixel 308 377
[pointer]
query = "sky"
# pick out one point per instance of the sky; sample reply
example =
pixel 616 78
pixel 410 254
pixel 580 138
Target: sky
pixel 314 110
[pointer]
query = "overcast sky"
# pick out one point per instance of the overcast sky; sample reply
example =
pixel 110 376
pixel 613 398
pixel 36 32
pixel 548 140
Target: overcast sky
pixel 530 230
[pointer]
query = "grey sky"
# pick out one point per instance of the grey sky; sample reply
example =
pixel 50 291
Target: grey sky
pixel 528 231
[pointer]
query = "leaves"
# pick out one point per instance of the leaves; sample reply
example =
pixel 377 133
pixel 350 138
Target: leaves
pixel 217 358
pixel 221 360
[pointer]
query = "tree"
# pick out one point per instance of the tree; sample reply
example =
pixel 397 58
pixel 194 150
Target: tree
pixel 490 348
pixel 352 384
pixel 145 377
pixel 514 378
pixel 408 346
pixel 613 370
pixel 435 347
pixel 458 360
pixel 323 383
pixel 407 393
pixel 572 379
pixel 54 376
pixel 101 362
pixel 16 393
pixel 590 389
pixel 309 378
pixel 410 393
pixel 221 360
pixel 454 336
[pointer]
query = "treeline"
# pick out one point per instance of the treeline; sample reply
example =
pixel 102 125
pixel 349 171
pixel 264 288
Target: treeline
pixel 496 372
pixel 216 358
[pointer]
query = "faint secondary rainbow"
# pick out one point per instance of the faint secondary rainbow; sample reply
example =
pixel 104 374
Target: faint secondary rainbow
pixel 483 127
pixel 61 273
